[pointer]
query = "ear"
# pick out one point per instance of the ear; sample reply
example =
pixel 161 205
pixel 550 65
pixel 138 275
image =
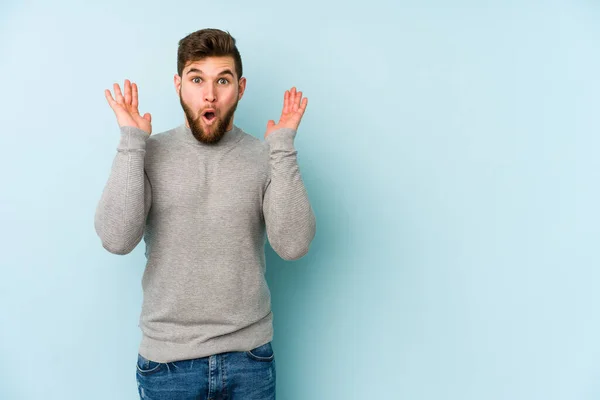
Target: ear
pixel 242 88
pixel 177 83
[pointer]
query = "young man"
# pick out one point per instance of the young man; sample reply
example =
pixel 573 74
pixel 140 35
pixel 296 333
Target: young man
pixel 203 195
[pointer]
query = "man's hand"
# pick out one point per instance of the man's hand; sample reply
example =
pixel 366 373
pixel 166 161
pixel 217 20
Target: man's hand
pixel 126 108
pixel 293 109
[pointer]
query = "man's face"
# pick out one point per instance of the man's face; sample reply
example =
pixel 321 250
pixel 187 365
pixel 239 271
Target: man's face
pixel 209 92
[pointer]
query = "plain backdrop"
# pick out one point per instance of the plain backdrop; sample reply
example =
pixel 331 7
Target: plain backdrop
pixel 450 152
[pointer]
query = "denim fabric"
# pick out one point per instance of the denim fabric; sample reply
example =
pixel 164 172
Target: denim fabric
pixel 241 375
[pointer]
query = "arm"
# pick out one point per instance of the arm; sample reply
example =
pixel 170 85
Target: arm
pixel 123 208
pixel 289 218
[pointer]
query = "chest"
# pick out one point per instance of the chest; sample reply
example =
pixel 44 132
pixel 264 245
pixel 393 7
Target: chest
pixel 227 186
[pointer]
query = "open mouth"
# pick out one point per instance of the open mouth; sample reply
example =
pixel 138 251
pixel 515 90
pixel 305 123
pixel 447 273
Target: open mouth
pixel 209 116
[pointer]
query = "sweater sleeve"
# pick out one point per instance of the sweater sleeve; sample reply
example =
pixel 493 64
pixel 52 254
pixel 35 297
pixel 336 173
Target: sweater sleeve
pixel 121 214
pixel 289 218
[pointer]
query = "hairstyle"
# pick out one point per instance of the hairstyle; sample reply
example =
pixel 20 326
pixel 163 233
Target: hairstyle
pixel 208 43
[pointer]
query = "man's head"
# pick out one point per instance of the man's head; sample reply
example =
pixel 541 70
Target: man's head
pixel 209 82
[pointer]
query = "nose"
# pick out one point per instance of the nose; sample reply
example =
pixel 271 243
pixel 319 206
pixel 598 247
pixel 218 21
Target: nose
pixel 209 94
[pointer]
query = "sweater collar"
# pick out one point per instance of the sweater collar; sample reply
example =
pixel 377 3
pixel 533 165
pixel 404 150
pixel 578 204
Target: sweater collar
pixel 230 138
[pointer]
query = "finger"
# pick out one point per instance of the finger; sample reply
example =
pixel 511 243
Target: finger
pixel 292 98
pixel 303 106
pixel 127 87
pixel 111 102
pixel 297 102
pixel 109 97
pixel 118 95
pixel 286 102
pixel 134 97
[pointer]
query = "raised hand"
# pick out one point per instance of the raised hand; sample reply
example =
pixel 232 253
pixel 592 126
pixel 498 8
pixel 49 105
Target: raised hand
pixel 293 109
pixel 126 107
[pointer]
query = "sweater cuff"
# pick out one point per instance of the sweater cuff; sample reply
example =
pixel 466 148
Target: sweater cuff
pixel 281 139
pixel 132 138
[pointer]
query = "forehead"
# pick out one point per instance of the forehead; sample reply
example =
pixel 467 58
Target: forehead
pixel 211 65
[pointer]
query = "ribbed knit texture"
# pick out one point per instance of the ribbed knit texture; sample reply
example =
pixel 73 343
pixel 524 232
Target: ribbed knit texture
pixel 205 212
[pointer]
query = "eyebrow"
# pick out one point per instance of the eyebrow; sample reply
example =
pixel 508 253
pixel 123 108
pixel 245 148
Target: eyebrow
pixel 224 72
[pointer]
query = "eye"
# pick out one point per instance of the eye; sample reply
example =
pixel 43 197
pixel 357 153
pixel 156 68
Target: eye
pixel 223 79
pixel 194 79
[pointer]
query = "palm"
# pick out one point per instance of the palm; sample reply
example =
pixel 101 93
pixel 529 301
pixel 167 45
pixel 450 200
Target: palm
pixel 126 107
pixel 293 109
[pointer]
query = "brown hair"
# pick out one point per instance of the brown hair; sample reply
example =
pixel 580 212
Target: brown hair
pixel 208 43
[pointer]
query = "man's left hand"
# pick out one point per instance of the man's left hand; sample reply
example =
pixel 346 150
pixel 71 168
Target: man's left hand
pixel 293 109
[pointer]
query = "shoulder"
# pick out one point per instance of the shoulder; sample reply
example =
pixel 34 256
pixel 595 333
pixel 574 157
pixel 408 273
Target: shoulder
pixel 162 147
pixel 254 145
pixel 161 142
pixel 160 138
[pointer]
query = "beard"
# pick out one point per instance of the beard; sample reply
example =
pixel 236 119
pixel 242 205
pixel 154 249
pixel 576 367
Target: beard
pixel 213 133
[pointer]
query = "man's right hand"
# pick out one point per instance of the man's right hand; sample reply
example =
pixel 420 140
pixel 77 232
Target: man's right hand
pixel 126 108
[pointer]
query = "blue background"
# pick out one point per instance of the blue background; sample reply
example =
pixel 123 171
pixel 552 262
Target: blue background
pixel 450 151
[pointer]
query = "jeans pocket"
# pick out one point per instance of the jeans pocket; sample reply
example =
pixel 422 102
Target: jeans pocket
pixel 146 367
pixel 262 353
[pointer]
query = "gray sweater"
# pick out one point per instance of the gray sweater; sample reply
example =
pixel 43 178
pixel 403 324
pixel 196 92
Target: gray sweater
pixel 203 211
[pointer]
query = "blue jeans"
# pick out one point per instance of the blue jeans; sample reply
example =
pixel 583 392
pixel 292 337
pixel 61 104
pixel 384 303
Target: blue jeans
pixel 237 375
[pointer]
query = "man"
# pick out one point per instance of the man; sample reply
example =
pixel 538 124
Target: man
pixel 203 195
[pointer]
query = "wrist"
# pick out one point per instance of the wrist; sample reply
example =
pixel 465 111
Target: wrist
pixel 281 139
pixel 132 138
